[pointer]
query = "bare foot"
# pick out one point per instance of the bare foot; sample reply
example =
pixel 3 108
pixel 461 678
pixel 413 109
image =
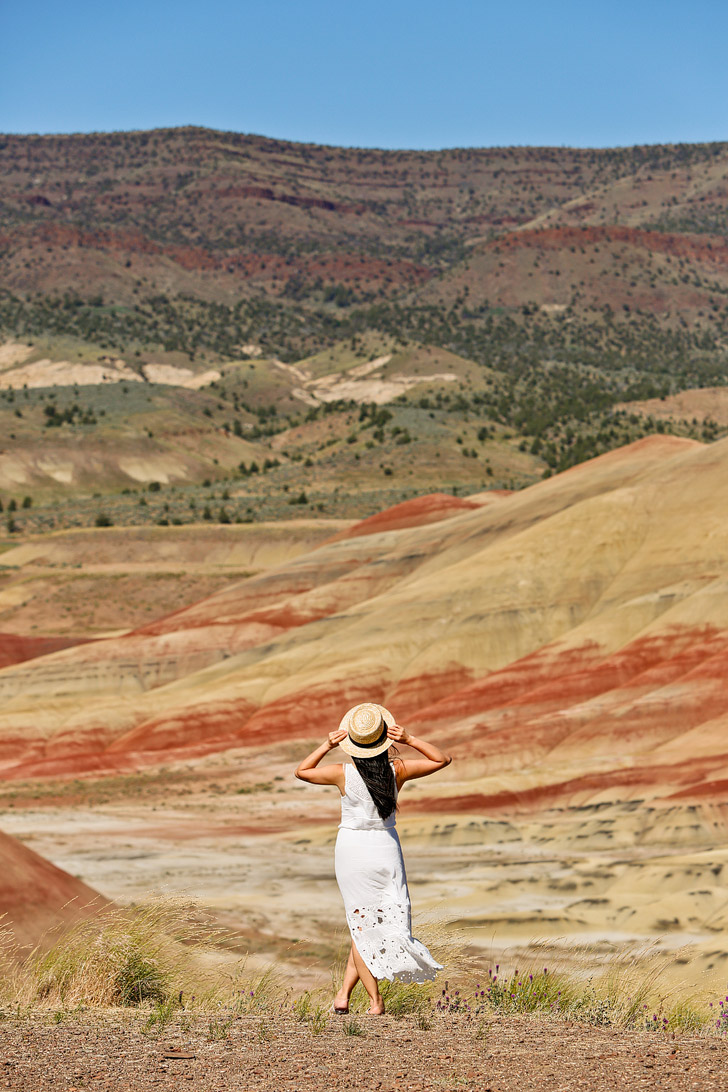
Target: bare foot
pixel 376 1008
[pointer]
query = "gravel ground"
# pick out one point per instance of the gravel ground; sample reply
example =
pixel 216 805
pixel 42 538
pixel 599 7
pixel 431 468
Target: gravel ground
pixel 495 1055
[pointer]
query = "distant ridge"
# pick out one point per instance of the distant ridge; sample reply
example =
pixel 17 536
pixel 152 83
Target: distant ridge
pixel 220 214
pixel 557 288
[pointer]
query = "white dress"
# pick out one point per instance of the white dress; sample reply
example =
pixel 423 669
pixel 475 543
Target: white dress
pixel 371 877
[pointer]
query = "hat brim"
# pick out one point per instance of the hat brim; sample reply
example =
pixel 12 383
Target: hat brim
pixel 350 748
pixel 353 749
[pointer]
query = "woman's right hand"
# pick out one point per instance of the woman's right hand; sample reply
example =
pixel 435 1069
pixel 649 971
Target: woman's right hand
pixel 336 737
pixel 399 735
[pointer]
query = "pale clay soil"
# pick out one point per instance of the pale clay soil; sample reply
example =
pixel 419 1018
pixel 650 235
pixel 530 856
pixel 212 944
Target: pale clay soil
pixel 500 1054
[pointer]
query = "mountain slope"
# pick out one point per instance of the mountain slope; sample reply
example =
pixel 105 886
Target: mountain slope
pixel 36 896
pixel 139 217
pixel 549 630
pixel 517 298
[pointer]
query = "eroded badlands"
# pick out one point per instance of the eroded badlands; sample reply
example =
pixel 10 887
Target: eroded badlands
pixel 568 643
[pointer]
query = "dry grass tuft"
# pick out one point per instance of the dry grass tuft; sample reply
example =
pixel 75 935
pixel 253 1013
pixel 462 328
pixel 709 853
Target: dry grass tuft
pixel 119 957
pixel 631 993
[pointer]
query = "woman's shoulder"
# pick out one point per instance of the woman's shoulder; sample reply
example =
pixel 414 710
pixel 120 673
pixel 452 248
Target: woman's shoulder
pixel 399 768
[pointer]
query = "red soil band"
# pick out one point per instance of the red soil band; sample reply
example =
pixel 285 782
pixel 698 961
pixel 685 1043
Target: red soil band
pixel 16 650
pixel 635 777
pixel 711 249
pixel 410 513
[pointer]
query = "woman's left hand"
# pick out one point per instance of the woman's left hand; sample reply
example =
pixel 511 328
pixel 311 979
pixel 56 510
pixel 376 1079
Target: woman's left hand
pixel 399 735
pixel 336 737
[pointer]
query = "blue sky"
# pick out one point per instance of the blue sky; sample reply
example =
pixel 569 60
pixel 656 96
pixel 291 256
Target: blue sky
pixel 375 74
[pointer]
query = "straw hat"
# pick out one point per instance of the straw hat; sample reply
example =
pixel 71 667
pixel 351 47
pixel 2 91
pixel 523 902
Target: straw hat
pixel 366 726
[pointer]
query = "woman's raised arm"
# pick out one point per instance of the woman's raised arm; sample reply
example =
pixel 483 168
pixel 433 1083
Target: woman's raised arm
pixel 434 759
pixel 333 774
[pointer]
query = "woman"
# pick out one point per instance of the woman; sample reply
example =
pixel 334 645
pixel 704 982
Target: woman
pixel 368 858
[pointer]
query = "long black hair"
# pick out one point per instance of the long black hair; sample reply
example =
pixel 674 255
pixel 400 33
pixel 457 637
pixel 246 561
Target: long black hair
pixel 378 776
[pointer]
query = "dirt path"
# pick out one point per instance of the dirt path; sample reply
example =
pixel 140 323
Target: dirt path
pixel 257 1052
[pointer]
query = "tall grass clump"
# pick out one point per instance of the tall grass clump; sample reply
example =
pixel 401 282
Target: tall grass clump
pixel 627 995
pixel 264 992
pixel 528 991
pixel 405 999
pixel 118 957
pixel 631 994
